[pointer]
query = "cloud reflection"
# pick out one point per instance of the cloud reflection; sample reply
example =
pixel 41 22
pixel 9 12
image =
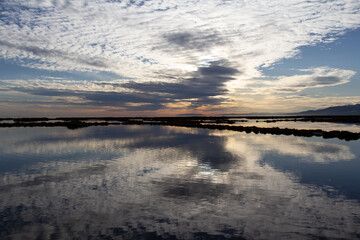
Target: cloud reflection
pixel 173 188
pixel 308 151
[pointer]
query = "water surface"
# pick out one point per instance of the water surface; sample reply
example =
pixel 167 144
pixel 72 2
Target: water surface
pixel 325 126
pixel 158 182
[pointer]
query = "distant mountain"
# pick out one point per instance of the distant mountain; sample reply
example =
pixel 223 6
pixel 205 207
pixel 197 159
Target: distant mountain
pixel 338 110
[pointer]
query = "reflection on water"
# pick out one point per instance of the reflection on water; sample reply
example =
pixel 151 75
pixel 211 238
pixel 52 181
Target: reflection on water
pixel 147 182
pixel 325 126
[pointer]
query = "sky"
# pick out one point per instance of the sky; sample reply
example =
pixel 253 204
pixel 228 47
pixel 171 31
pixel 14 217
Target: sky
pixel 179 57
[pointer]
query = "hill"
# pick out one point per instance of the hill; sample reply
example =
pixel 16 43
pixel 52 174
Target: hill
pixel 337 110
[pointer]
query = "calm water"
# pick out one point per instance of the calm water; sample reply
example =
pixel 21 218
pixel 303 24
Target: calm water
pixel 157 182
pixel 325 126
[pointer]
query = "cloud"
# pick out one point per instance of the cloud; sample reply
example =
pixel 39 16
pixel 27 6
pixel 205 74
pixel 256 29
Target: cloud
pixel 126 32
pixel 170 47
pixel 316 77
pixel 205 83
pixel 45 91
pixel 193 40
pixel 204 87
pixel 96 98
pixel 50 53
pixel 307 151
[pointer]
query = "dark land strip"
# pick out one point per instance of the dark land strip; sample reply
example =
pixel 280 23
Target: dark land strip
pixel 218 123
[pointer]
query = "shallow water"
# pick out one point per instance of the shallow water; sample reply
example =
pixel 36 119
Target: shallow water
pixel 325 126
pixel 158 182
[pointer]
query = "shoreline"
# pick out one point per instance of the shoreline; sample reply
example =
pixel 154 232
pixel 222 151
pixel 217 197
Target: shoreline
pixel 192 122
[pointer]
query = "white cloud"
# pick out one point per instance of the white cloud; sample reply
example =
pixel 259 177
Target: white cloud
pixel 128 36
pixel 169 40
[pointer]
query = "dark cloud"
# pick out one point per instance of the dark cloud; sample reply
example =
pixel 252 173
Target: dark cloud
pixel 319 81
pixel 201 88
pixel 290 90
pixel 120 97
pixel 326 80
pixel 216 70
pixel 100 98
pixel 181 39
pixel 46 92
pixel 194 40
pixel 151 101
pixel 205 84
pixel 204 87
pixel 42 52
pixel 90 62
pixel 32 49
